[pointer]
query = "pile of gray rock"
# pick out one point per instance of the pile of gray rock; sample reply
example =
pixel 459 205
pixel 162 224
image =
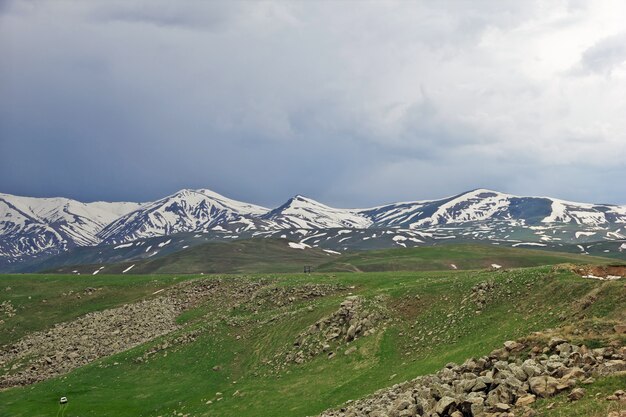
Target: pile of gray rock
pixel 7 310
pixel 353 320
pixel 169 344
pixel 66 346
pixel 482 292
pixel 280 295
pixel 494 385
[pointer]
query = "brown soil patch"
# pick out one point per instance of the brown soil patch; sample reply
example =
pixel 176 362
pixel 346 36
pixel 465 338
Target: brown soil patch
pixel 600 271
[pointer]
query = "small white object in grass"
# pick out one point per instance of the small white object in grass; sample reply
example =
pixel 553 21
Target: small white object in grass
pixel 63 400
pixel 496 266
pixel 453 266
pixel 592 277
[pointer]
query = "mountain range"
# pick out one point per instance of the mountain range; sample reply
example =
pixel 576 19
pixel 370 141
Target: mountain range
pixel 32 228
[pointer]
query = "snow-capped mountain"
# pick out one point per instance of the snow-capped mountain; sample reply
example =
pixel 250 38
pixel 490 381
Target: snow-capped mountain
pixel 304 213
pixel 185 211
pixel 29 226
pixel 486 205
pixel 41 226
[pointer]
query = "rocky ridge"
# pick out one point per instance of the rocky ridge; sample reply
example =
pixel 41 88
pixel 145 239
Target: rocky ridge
pixel 502 384
pixel 354 319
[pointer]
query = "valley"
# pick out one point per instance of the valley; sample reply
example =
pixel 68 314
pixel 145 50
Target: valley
pixel 283 344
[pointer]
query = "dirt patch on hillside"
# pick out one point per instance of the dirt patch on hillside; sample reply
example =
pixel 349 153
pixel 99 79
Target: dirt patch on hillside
pixel 409 307
pixel 601 272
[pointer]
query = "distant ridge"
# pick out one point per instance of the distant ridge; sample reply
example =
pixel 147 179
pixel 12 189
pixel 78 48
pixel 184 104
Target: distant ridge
pixel 34 227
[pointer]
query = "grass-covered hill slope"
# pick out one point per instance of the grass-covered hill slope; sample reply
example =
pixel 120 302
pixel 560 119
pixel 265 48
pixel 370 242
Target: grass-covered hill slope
pixel 275 345
pixel 450 257
pixel 277 256
pixel 238 256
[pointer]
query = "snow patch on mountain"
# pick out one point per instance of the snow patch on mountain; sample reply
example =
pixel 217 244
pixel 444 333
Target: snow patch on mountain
pixel 295 245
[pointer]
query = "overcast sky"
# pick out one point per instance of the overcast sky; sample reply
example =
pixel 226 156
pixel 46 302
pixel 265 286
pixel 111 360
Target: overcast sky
pixel 351 103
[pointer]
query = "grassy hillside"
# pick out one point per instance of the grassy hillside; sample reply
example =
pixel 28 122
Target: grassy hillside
pixel 276 256
pixel 446 257
pixel 236 363
pixel 239 256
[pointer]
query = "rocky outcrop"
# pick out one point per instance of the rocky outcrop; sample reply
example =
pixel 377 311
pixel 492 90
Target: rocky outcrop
pixel 354 319
pixel 7 310
pixel 482 293
pixel 66 346
pixel 493 385
pixel 281 296
pixel 76 343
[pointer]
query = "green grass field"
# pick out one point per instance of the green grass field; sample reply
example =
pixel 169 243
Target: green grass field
pixel 275 256
pixel 432 320
pixel 465 256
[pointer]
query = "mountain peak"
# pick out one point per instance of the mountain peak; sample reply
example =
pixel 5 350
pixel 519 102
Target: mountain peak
pixel 299 198
pixel 479 191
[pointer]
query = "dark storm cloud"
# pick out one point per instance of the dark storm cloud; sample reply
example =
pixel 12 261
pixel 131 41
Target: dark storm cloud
pixel 605 55
pixel 352 106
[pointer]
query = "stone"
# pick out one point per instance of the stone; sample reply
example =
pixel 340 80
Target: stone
pixel 543 386
pixel 525 400
pixel 555 341
pixel 351 333
pixel 513 346
pixel 616 365
pixel 444 404
pixel 350 350
pixel 576 394
pixel 502 407
pixel 403 403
